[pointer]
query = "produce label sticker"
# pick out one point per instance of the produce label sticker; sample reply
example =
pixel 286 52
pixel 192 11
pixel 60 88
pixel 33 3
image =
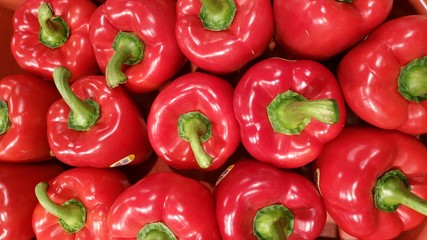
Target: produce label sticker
pixel 223 174
pixel 126 160
pixel 317 179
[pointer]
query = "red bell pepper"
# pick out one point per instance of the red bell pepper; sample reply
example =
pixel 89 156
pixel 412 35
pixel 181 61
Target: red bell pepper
pixel 75 204
pixel 165 206
pixel 95 126
pixel 383 78
pixel 51 33
pixel 255 200
pixel 322 30
pixel 373 181
pixel 135 44
pixel 287 110
pixel 223 36
pixel 17 196
pixel 24 103
pixel 191 124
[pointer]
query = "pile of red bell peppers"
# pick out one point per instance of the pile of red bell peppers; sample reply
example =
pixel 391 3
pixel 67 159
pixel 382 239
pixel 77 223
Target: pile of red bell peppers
pixel 213 119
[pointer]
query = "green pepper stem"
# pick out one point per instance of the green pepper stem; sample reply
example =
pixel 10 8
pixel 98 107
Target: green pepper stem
pixel 412 81
pixel 289 113
pixel 393 189
pixel 71 214
pixel 203 159
pixel 217 15
pixel 196 128
pixel 54 31
pixel 128 50
pixel 155 231
pixel 4 117
pixel 273 222
pixel 83 114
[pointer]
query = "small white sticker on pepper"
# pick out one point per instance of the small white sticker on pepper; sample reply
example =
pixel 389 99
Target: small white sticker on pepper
pixel 124 161
pixel 224 173
pixel 317 179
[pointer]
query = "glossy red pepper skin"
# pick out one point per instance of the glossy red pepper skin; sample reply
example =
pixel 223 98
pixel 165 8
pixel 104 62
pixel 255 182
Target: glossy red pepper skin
pixel 153 22
pixel 321 30
pixel 17 194
pixel 119 136
pixel 28 99
pixel 183 204
pixel 228 50
pixel 76 53
pixel 348 169
pixel 262 83
pixel 95 188
pixel 249 185
pixel 194 92
pixel 369 75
